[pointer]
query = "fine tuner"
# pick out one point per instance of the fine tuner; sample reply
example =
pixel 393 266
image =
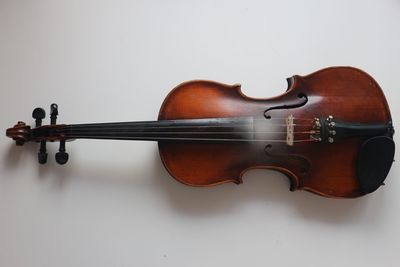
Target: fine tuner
pixel 330 133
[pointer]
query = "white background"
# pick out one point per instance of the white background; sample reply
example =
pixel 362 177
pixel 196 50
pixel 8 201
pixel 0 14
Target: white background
pixel 113 204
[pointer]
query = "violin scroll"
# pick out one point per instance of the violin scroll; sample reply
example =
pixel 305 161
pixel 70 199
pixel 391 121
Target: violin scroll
pixel 20 133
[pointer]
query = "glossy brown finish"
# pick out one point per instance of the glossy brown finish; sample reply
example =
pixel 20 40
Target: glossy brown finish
pixel 346 93
pixel 19 133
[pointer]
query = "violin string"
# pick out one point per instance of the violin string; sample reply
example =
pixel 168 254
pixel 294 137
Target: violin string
pixel 105 127
pixel 178 120
pixel 193 139
pixel 282 118
pixel 147 124
pixel 208 132
pixel 139 130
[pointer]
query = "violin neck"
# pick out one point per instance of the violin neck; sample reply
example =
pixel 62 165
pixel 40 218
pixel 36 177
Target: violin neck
pixel 217 129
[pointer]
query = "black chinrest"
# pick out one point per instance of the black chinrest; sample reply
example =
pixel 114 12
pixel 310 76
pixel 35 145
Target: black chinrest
pixel 374 161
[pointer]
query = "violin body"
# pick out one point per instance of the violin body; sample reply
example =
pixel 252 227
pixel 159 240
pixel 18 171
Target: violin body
pixel 322 168
pixel 331 133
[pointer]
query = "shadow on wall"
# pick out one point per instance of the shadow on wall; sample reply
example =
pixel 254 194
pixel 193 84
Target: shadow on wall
pixel 261 187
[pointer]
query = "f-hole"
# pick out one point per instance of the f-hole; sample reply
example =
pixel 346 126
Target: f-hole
pixel 303 100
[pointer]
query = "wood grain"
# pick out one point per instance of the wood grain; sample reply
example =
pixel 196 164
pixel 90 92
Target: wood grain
pixel 347 93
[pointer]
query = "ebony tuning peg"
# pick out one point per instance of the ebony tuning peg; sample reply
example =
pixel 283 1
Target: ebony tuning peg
pixel 62 156
pixel 42 155
pixel 53 113
pixel 38 114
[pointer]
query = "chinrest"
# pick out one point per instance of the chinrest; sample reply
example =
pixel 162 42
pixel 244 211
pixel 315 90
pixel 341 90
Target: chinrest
pixel 374 161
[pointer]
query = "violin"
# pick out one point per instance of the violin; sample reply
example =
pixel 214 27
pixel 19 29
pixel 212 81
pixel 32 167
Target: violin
pixel 331 133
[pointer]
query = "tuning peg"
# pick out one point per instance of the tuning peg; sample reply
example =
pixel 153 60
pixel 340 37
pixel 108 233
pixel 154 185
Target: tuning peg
pixel 53 113
pixel 38 114
pixel 42 155
pixel 62 156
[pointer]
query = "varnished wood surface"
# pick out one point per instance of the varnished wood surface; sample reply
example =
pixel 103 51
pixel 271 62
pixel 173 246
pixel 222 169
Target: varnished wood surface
pixel 346 93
